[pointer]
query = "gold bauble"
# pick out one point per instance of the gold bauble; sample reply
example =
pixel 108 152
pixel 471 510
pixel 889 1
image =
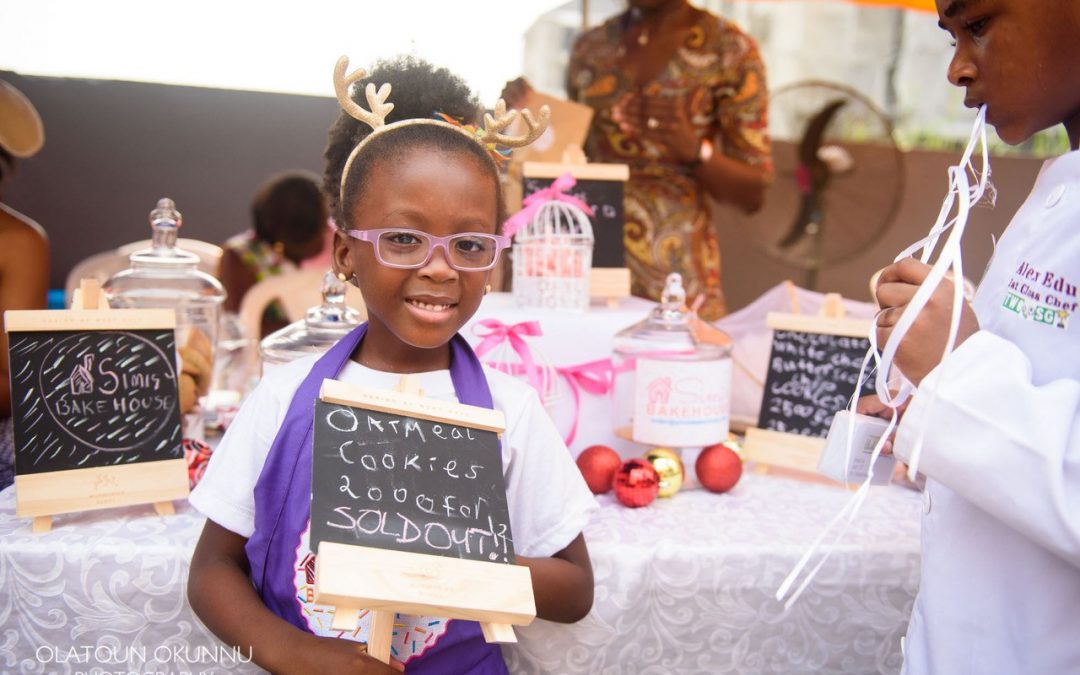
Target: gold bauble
pixel 669 466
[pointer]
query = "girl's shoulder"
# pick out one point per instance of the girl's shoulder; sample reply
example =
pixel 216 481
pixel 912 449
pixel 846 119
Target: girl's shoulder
pixel 512 395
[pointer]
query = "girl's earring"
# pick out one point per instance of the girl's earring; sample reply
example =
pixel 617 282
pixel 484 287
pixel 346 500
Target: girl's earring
pixel 487 289
pixel 341 277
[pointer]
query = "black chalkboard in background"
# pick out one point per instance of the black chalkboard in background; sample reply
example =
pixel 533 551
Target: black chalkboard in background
pixel 813 371
pixel 811 377
pixel 84 399
pixel 392 481
pixel 601 186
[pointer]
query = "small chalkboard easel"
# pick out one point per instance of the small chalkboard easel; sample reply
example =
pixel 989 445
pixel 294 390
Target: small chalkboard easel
pixel 813 371
pixel 357 433
pixel 95 408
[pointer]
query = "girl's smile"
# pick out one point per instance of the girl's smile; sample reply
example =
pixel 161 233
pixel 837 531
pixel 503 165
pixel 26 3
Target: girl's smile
pixel 414 312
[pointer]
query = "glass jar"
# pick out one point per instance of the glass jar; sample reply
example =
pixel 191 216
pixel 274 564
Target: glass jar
pixel 321 327
pixel 164 276
pixel 671 389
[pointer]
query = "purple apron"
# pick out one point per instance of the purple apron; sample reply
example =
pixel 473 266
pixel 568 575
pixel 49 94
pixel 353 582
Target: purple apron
pixel 279 522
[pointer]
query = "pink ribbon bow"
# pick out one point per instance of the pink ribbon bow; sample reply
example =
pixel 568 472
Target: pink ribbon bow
pixel 494 332
pixel 556 192
pixel 595 377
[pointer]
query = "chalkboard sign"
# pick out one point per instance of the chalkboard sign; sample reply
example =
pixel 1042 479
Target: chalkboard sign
pixel 96 398
pixel 601 186
pixel 408 513
pixel 813 370
pixel 811 377
pixel 95 408
pixel 392 480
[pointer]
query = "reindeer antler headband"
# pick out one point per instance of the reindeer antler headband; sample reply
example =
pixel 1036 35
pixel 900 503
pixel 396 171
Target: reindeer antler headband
pixel 380 108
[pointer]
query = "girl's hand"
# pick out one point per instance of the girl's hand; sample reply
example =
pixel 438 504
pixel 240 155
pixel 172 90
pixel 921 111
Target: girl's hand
pixel 332 655
pixel 923 347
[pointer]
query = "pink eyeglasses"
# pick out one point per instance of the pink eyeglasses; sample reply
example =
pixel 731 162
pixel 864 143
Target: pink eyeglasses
pixel 410 249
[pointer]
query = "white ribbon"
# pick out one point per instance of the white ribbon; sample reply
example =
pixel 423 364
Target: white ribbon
pixel 962 195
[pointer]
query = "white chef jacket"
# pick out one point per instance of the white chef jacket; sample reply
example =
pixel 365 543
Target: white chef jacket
pixel 1000 589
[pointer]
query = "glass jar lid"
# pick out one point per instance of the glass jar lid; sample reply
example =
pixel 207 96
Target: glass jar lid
pixel 668 328
pixel 321 327
pixel 163 274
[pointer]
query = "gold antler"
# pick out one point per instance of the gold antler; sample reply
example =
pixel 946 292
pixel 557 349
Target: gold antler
pixel 493 126
pixel 376 100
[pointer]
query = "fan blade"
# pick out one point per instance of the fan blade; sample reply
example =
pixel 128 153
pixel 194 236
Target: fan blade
pixel 813 175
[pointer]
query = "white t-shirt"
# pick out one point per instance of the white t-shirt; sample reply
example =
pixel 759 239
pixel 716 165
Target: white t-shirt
pixel 548 500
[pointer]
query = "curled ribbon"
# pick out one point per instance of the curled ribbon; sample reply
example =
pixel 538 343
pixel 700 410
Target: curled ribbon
pixel 556 192
pixel 494 332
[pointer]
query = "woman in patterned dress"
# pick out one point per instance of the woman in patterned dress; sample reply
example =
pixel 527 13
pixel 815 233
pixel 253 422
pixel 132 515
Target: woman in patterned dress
pixel 679 95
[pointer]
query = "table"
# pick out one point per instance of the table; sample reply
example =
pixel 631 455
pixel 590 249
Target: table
pixel 682 586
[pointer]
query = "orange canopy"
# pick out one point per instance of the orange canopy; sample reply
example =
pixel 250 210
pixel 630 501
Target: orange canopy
pixel 920 5
pixel 917 5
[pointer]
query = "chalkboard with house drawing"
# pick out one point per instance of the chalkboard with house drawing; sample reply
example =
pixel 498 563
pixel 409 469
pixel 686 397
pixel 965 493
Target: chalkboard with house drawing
pixel 389 479
pixel 93 398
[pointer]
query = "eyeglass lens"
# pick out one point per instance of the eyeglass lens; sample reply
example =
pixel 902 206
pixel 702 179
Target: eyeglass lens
pixel 466 251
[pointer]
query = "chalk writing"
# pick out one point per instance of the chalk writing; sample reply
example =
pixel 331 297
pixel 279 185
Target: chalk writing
pixel 398 482
pixel 811 377
pixel 84 399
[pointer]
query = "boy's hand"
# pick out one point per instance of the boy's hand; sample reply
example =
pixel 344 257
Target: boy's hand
pixel 872 405
pixel 922 348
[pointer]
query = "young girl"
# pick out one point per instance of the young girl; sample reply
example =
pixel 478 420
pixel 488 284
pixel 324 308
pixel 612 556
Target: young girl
pixel 419 203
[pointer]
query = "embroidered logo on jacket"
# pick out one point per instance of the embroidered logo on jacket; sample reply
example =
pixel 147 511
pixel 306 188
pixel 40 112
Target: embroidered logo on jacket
pixel 1041 296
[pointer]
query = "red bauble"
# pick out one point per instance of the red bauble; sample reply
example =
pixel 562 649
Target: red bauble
pixel 636 483
pixel 718 468
pixel 598 464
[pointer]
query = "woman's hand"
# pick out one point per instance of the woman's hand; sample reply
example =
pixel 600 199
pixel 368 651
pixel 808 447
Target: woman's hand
pixel 663 119
pixel 924 344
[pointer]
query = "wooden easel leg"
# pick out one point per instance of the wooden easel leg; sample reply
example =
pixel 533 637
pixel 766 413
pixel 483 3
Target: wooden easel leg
pixel 41 524
pixel 345 619
pixel 498 632
pixel 164 508
pixel 380 633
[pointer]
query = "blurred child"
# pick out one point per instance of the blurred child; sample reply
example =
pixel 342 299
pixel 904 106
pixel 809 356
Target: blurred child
pixel 419 204
pixel 24 250
pixel 289 218
pixel 1000 585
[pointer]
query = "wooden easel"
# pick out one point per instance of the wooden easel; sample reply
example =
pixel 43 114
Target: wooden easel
pixel 385 582
pixel 40 496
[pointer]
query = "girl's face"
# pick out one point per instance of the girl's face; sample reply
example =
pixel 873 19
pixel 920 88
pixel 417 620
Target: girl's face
pixel 413 313
pixel 1020 58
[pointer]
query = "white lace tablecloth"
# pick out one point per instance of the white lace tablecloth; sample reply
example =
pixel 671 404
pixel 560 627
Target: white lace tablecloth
pixel 687 584
pixel 684 585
